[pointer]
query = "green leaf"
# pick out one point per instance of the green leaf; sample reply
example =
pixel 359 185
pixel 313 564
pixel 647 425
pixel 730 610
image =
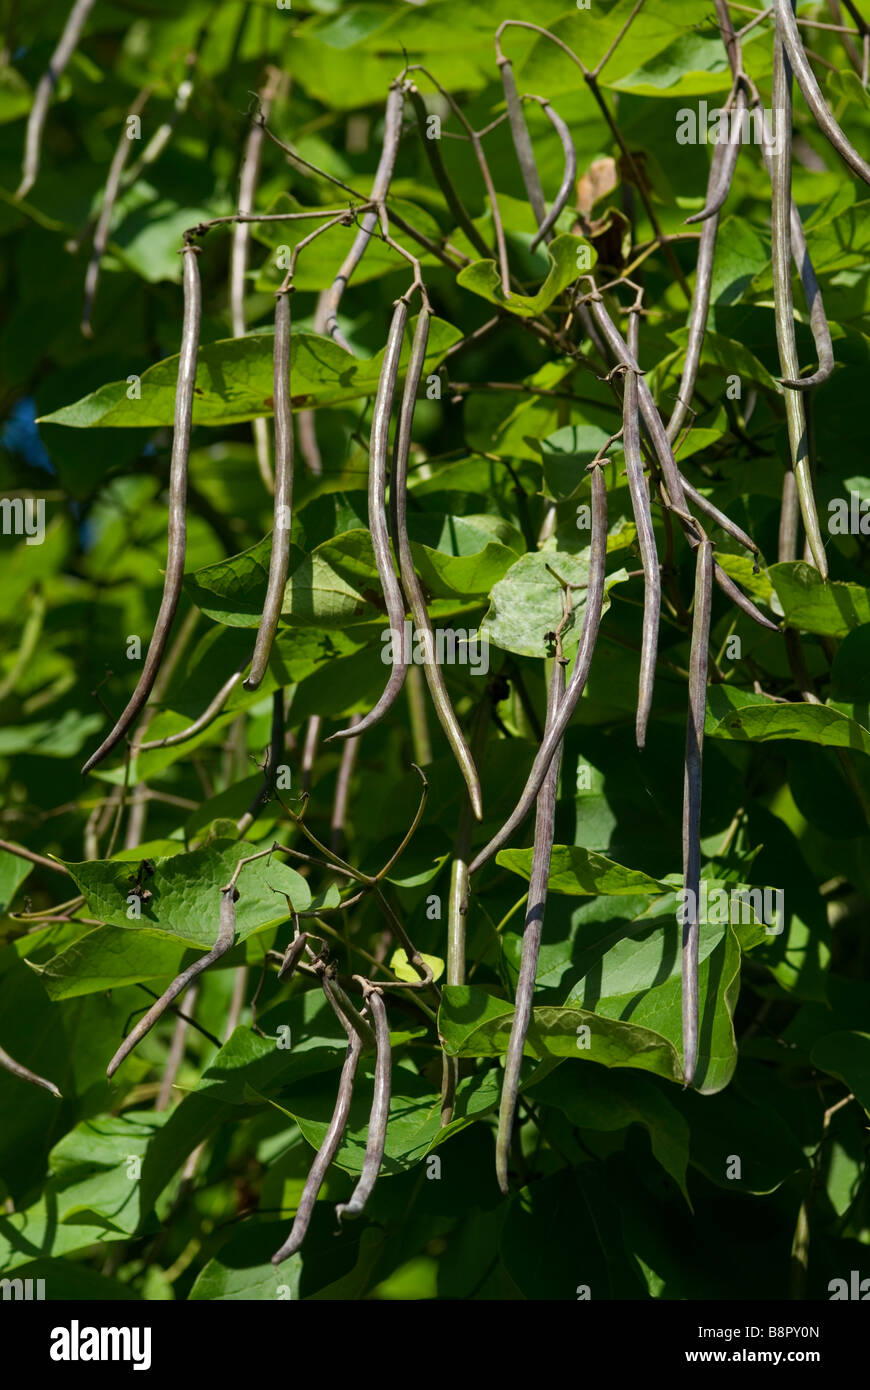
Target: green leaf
pixel 576 870
pixel 186 897
pixel 808 723
pixel 483 278
pixel 831 609
pixel 527 603
pixel 234 382
pixel 846 1056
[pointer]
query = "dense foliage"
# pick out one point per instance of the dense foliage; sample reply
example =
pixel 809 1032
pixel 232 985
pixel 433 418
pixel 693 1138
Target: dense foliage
pixel 357 959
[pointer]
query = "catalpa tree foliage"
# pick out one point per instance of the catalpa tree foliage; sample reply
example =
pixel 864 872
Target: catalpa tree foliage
pixel 437 633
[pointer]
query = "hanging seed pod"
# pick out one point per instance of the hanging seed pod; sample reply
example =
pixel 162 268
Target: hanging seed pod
pixel 393 596
pixel 522 141
pixel 225 939
pixel 545 820
pixel 279 559
pixel 177 529
pixel 325 1154
pixel 789 35
pixel 798 435
pixel 576 685
pixel 66 46
pixel 569 177
pixel 410 581
pixel 640 503
pixel 698 659
pixel 25 1074
pixel 442 178
pixel 374 1155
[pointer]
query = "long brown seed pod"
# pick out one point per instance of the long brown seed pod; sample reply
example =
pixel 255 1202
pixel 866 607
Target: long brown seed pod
pixel 270 766
pixel 705 505
pixel 25 1074
pixel 177 530
pixel 325 1154
pixel 279 559
pixel 225 938
pixel 442 178
pixel 789 35
pixel 576 685
pixel 665 455
pixel 569 177
pixel 104 221
pixel 66 46
pixel 293 955
pixel 410 581
pixel 380 1112
pixel 328 315
pixel 780 176
pixel 378 525
pixel 545 819
pixel 209 714
pixel 640 503
pixel 701 297
pixel 692 802
pixel 722 170
pixel 522 141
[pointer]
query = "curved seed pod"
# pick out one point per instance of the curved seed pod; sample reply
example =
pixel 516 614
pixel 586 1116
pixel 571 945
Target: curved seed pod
pixel 279 560
pixel 442 178
pixel 177 530
pixel 591 622
pixel 292 956
pixel 225 938
pixel 327 318
pixel 209 714
pixel 640 505
pixel 665 455
pixel 374 1155
pixel 692 802
pixel 522 142
pixel 351 1020
pixel 722 170
pixel 812 294
pixel 410 581
pixel 566 187
pixel 378 525
pixel 325 1154
pixel 545 819
pixel 25 1074
pixel 705 505
pixel 104 221
pixel 66 45
pixel 789 34
pixel 780 176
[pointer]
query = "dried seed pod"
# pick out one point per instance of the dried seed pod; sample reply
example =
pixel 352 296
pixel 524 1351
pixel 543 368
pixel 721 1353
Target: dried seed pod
pixel 374 1155
pixel 569 177
pixel 293 955
pixel 780 176
pixel 545 819
pixel 393 596
pixel 104 221
pixel 789 35
pixel 410 581
pixel 209 714
pixel 64 50
pixel 722 169
pixel 279 559
pixel 698 660
pixel 442 178
pixel 640 503
pixel 576 685
pixel 225 939
pixel 177 529
pixel 25 1074
pixel 325 1154
pixel 522 142
pixel 327 318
